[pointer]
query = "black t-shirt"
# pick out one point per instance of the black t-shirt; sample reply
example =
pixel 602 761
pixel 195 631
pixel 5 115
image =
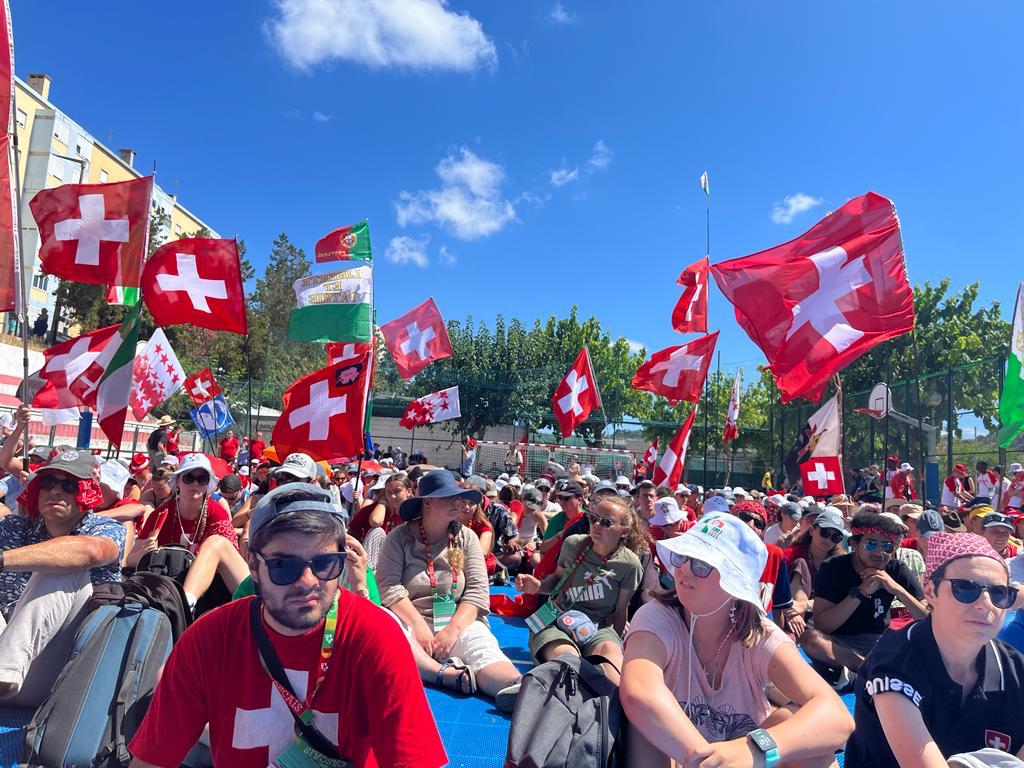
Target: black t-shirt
pixel 157 440
pixel 837 577
pixel 908 662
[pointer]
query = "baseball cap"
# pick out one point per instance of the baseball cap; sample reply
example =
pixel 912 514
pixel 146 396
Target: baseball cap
pixel 830 517
pixel 230 484
pixel 292 498
pixel 960 468
pixel 170 461
pixel 571 489
pixel 739 492
pixel 791 509
pixel 542 482
pixel 716 504
pixel 1016 467
pixel 492 489
pixel 930 522
pixel 298 465
pixel 531 498
pixel 683 490
pixel 945 547
pixel 114 475
pixel 80 464
pixel 666 512
pixel 477 482
pixel 515 481
pixel 730 547
pixel 905 467
pixel 996 520
pixel 605 486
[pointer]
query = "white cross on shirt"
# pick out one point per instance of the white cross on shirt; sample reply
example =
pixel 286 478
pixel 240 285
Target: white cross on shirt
pixel 820 309
pixel 418 340
pixel 821 476
pixel 577 386
pixel 676 363
pixel 91 229
pixel 318 412
pixel 199 289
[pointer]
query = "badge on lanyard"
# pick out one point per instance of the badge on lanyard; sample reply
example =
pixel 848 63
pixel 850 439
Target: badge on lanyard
pixel 543 616
pixel 301 754
pixel 444 609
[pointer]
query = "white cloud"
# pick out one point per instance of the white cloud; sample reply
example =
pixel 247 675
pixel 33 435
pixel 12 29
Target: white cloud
pixel 469 202
pixel 408 250
pixel 446 257
pixel 408 34
pixel 600 157
pixel 559 14
pixel 320 117
pixel 635 346
pixel 792 206
pixel 562 176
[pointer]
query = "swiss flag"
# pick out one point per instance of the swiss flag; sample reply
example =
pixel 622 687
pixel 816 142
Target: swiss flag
pixel 417 339
pixel 323 412
pixel 197 280
pixel 341 351
pixel 691 312
pixel 669 471
pixel 94 233
pixel 732 416
pixel 822 476
pixel 73 370
pixel 678 373
pixel 817 303
pixel 576 395
pixel 201 386
pixel 651 456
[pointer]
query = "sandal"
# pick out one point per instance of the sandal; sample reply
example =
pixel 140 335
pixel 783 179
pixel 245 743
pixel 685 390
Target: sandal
pixel 465 673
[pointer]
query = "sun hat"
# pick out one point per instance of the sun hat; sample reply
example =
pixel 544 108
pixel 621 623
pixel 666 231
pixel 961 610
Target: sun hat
pixel 843 503
pixel 298 465
pixel 830 517
pixel 912 511
pixel 165 420
pixel 666 512
pixel 775 500
pixel 170 461
pixel 944 548
pixel 515 481
pixel 952 521
pixel 683 490
pixel 905 467
pixel 114 475
pixel 138 463
pixel 492 489
pixel 739 491
pixel 791 509
pixel 622 480
pixel 1016 467
pixel 729 546
pixel 996 520
pixel 194 461
pixel 503 476
pixel 960 468
pixel 243 471
pixel 716 504
pixel 292 498
pixel 436 484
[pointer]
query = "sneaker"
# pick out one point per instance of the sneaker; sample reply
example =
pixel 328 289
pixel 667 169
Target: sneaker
pixel 845 682
pixel 505 699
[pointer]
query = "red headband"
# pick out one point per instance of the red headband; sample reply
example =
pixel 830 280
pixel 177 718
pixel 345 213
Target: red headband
pixel 89 496
pixel 894 537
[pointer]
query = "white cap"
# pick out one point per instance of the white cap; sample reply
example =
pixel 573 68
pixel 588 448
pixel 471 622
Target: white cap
pixel 298 465
pixel 195 461
pixel 739 491
pixel 169 460
pixel 776 499
pixel 666 512
pixel 515 481
pixel 905 467
pixel 623 480
pixel 503 476
pixel 683 490
pixel 806 501
pixel 1016 467
pixel 114 475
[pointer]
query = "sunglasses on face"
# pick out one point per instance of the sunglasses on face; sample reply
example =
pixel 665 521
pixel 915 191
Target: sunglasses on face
pixel 195 478
pixel 967 591
pixel 49 482
pixel 698 568
pixel 870 545
pixel 564 496
pixel 287 570
pixel 829 533
pixel 757 521
pixel 604 522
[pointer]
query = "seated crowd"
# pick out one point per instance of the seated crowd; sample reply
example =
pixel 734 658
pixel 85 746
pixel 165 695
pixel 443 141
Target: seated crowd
pixel 327 597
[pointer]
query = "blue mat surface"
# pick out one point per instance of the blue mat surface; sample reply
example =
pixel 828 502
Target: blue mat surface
pixel 11 720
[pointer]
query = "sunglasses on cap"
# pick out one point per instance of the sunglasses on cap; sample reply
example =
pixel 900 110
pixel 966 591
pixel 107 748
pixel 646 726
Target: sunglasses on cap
pixel 48 482
pixel 870 545
pixel 285 570
pixel 967 591
pixel 748 518
pixel 604 522
pixel 830 533
pixel 698 568
pixel 194 478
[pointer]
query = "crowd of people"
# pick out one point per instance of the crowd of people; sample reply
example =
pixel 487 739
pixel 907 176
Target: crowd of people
pixel 730 620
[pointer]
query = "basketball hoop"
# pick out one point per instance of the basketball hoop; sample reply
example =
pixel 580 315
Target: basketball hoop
pixel 879 402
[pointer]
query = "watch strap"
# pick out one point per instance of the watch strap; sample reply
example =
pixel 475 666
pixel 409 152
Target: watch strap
pixel 766 745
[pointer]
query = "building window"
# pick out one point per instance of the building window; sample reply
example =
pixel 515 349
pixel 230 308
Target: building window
pixel 177 229
pixel 22 118
pixel 40 280
pixel 103 177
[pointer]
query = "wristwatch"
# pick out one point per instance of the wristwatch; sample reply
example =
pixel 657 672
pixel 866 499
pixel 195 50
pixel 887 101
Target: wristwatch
pixel 855 592
pixel 767 746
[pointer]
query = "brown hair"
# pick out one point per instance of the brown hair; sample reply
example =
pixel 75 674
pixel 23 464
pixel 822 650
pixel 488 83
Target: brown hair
pixel 635 538
pixel 748 621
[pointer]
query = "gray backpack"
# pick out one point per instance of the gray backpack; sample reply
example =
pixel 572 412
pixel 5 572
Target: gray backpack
pixel 567 715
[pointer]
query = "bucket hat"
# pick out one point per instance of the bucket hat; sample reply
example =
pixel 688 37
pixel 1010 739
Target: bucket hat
pixel 436 484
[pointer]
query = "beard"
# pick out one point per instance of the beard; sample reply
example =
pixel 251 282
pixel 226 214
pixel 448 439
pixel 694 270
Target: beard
pixel 277 601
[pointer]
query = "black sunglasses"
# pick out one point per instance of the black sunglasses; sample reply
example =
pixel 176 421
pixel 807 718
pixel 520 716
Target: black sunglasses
pixel 286 569
pixel 565 496
pixel 604 522
pixel 967 591
pixel 195 478
pixel 698 568
pixel 747 518
pixel 49 482
pixel 835 535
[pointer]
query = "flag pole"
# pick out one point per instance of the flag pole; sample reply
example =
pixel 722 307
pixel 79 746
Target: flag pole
pixel 22 282
pixel 707 395
pixel 597 389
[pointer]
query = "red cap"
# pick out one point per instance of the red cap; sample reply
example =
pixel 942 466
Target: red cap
pixel 138 463
pixel 960 468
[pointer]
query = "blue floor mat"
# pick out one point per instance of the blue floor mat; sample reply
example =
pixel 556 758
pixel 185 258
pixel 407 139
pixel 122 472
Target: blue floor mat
pixel 11 720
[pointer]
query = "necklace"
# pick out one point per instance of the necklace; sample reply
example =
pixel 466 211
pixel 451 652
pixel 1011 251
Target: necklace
pixel 197 534
pixel 712 669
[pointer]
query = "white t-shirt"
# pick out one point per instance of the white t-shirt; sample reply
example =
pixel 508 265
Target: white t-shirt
pixel 772 533
pixel 985 485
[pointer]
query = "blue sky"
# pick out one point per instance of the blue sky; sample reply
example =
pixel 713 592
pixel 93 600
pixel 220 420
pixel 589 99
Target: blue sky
pixel 520 157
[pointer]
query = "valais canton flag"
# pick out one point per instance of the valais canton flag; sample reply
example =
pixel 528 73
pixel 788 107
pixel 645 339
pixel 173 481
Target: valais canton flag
pixel 817 303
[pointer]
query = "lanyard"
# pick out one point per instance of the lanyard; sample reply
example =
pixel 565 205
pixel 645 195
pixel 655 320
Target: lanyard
pixel 430 562
pixel 588 545
pixel 305 711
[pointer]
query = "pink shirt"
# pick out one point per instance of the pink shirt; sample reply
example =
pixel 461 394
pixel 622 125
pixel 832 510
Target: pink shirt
pixel 740 706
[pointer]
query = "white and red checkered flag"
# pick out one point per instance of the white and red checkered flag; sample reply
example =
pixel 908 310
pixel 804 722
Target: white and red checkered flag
pixel 201 386
pixel 691 312
pixel 576 395
pixel 822 476
pixel 817 303
pixel 651 456
pixel 678 373
pixel 432 408
pixel 732 416
pixel 669 471
pixel 94 233
pixel 157 375
pixel 417 338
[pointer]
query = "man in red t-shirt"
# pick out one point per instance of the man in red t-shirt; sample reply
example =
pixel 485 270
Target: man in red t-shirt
pixel 229 447
pixel 257 447
pixel 369 704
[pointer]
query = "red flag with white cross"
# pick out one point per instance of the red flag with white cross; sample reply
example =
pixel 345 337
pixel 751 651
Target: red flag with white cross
pixel 417 338
pixel 340 351
pixel 323 412
pixel 94 233
pixel 732 414
pixel 817 303
pixel 691 311
pixel 72 369
pixel 197 280
pixel 576 395
pixel 822 476
pixel 651 456
pixel 678 373
pixel 156 376
pixel 669 471
pixel 201 386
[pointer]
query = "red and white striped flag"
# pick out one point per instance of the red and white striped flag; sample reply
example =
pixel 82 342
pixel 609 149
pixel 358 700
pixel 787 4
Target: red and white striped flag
pixel 732 416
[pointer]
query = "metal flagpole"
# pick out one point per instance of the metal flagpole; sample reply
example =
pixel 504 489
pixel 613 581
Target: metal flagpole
pixel 22 281
pixel 597 389
pixel 707 251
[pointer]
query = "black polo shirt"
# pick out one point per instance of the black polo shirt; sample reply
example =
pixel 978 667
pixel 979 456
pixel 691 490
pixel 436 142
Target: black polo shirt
pixel 908 662
pixel 837 577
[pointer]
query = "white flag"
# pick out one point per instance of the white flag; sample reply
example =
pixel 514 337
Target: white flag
pixel 824 437
pixel 157 375
pixel 444 405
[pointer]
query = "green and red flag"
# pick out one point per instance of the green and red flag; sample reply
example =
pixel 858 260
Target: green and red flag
pixel 114 390
pixel 345 243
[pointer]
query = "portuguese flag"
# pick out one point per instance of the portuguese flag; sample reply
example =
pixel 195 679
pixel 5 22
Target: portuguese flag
pixel 334 306
pixel 118 361
pixel 345 243
pixel 1011 402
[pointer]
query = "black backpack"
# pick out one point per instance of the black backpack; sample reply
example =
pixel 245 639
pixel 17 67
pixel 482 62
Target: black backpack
pixel 170 560
pixel 567 715
pixel 150 590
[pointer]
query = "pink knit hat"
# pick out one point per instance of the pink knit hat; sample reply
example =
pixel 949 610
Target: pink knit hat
pixel 946 547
